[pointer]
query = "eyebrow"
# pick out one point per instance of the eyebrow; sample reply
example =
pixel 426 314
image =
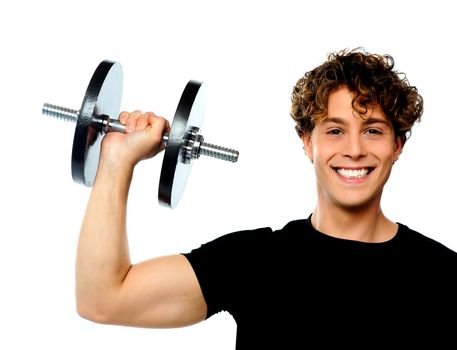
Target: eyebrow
pixel 368 121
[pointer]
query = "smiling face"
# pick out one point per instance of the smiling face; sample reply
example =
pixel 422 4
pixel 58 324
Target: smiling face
pixel 352 156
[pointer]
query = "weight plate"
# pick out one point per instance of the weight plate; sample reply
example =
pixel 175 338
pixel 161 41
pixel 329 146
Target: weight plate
pixel 103 97
pixel 189 113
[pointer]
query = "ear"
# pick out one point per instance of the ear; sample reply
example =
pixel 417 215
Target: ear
pixel 398 147
pixel 308 145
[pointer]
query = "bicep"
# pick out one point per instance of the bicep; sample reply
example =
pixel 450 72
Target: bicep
pixel 160 293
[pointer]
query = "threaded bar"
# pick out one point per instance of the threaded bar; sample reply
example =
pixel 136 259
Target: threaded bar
pixel 63 113
pixel 71 115
pixel 218 152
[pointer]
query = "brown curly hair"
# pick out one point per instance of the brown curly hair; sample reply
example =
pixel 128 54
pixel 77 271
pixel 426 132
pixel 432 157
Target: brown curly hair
pixel 370 77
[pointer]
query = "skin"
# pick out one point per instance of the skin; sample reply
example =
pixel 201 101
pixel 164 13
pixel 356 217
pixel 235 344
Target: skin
pixel 160 292
pixel 349 207
pixel 164 291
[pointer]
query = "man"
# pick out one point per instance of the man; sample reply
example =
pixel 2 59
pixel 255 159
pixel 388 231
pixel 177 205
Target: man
pixel 345 275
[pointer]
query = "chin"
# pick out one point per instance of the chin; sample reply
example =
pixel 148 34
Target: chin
pixel 355 203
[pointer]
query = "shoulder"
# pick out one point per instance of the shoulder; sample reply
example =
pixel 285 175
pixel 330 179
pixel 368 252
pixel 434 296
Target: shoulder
pixel 249 239
pixel 423 243
pixel 269 234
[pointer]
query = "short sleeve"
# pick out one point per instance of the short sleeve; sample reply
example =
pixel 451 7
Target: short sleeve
pixel 224 266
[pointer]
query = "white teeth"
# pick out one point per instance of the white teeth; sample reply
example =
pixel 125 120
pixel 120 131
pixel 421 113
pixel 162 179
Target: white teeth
pixel 352 173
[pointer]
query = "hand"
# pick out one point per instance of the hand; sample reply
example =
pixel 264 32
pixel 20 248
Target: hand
pixel 142 140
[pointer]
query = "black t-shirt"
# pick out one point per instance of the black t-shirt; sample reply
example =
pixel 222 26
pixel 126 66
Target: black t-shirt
pixel 299 288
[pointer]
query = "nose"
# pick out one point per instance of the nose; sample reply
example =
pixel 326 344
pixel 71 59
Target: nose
pixel 354 147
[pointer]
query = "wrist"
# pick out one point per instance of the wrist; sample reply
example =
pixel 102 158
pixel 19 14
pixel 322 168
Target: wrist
pixel 114 173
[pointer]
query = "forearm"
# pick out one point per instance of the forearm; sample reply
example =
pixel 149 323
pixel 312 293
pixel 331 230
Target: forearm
pixel 103 266
pixel 103 255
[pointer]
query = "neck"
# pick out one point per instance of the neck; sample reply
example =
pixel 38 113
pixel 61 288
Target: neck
pixel 368 224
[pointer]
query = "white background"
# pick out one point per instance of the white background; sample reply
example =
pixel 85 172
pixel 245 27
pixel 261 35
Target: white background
pixel 250 54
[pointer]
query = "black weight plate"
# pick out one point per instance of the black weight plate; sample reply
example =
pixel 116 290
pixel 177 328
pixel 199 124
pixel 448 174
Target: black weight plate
pixel 174 173
pixel 103 97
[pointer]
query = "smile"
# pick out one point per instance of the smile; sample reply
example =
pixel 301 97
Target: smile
pixel 353 173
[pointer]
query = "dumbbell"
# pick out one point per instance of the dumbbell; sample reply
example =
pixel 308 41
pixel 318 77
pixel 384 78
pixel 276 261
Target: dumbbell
pixel 99 114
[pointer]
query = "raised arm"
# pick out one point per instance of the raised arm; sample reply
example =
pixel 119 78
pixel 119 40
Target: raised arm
pixel 161 292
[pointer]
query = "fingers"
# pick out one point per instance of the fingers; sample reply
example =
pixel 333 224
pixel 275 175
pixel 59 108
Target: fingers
pixel 132 120
pixel 138 120
pixel 142 122
pixel 123 117
pixel 158 122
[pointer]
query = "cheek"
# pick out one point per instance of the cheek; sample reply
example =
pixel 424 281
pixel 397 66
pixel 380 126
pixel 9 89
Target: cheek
pixel 323 151
pixel 386 152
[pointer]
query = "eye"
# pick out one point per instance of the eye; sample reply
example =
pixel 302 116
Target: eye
pixel 374 132
pixel 335 132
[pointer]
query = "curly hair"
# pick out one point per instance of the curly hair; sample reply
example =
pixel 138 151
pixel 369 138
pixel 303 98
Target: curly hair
pixel 370 77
